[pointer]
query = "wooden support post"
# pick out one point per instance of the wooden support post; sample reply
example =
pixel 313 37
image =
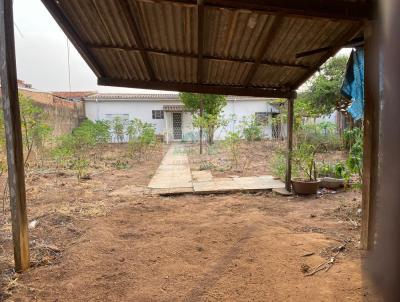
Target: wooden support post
pixel 383 260
pixel 290 121
pixel 12 123
pixel 371 135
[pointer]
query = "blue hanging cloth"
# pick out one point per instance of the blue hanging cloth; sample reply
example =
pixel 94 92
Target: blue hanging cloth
pixel 353 84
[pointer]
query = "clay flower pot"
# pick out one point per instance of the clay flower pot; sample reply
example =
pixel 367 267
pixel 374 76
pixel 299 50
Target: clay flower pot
pixel 305 187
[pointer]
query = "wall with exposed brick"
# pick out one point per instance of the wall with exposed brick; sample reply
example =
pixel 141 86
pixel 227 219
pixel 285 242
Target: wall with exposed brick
pixel 62 115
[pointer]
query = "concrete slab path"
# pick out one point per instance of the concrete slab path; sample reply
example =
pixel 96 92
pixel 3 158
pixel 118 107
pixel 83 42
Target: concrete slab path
pixel 174 177
pixel 173 174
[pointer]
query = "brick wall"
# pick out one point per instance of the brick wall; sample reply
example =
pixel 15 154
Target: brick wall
pixel 63 115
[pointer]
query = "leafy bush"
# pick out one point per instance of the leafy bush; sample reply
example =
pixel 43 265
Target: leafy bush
pixel 317 134
pixel 74 149
pixel 355 159
pixel 118 128
pixel 303 158
pixel 142 137
pixel 251 128
pixel 232 142
pixel 338 170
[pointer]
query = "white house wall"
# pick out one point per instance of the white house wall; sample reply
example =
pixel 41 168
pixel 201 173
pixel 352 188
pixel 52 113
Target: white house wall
pixel 143 111
pixel 97 111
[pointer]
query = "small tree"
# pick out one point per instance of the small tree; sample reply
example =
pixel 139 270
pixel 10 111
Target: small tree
pixel 35 131
pixel 206 110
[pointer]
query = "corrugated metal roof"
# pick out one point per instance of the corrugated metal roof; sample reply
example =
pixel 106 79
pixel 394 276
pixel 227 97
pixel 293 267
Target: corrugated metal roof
pixel 154 43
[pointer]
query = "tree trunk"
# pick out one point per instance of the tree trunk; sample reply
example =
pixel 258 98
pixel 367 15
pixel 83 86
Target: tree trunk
pixel 211 135
pixel 201 127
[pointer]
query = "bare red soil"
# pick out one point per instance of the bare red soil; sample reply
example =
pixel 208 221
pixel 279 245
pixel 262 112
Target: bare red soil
pixel 104 239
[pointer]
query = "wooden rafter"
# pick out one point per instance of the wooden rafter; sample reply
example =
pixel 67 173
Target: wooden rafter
pixel 199 88
pixel 205 57
pixel 267 41
pixel 130 17
pixel 54 9
pixel 353 43
pixel 347 37
pixel 338 9
pixel 200 41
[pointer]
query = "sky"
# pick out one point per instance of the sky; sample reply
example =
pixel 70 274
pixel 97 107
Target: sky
pixel 42 53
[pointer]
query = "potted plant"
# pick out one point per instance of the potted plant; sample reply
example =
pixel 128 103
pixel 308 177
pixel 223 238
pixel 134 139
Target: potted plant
pixel 304 159
pixel 333 176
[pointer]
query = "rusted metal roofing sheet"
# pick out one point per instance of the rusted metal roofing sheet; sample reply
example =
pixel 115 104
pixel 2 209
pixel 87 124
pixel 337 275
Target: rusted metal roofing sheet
pixel 245 49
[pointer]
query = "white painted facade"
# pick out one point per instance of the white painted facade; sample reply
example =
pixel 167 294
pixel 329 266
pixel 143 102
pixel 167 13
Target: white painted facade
pixel 106 107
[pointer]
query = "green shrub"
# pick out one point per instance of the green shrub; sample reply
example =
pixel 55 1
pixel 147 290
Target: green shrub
pixel 74 150
pixel 317 134
pixel 338 170
pixel 251 128
pixel 231 143
pixel 142 137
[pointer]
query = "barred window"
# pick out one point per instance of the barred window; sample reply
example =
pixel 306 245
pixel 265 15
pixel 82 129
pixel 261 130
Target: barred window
pixel 158 114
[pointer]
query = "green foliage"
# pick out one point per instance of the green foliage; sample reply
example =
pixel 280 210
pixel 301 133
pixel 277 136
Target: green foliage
pixel 206 110
pixel 338 170
pixel 142 137
pixel 303 158
pixel 316 134
pixel 35 131
pixel 251 128
pixel 74 149
pixel 324 89
pixel 355 159
pixel 118 125
pixel 232 142
pixel 351 136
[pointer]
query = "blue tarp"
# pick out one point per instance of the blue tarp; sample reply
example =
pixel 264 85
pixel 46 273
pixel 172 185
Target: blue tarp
pixel 353 84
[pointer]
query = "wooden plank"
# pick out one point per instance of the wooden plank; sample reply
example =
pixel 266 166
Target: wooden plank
pixel 276 24
pixel 12 123
pixel 130 17
pixel 338 45
pixel 371 136
pixel 198 88
pixel 290 122
pixel 194 56
pixel 338 9
pixel 54 9
pixel 200 40
pixel 359 41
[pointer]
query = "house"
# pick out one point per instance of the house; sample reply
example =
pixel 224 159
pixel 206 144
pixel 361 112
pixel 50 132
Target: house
pixel 170 118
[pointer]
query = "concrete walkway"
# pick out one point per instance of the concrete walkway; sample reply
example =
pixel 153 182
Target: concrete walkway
pixel 173 176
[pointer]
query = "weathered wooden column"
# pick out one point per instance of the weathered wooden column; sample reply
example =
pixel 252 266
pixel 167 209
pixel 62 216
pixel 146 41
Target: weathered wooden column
pixel 384 262
pixel 12 123
pixel 371 134
pixel 290 121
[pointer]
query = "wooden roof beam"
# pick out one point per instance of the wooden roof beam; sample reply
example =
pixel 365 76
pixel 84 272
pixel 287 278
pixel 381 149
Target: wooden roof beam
pixel 130 17
pixel 200 40
pixel 54 8
pixel 338 9
pixel 187 55
pixel 339 42
pixel 276 24
pixel 199 88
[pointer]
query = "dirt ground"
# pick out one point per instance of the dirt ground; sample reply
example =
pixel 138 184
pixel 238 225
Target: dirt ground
pixel 104 239
pixel 253 158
